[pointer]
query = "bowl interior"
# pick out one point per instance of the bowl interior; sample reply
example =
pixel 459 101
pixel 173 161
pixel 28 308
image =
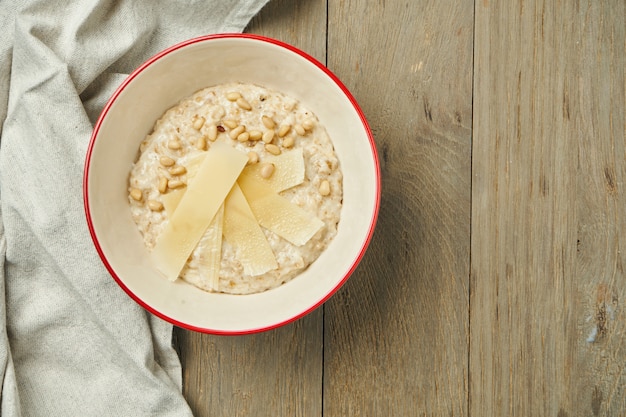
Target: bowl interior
pixel 130 115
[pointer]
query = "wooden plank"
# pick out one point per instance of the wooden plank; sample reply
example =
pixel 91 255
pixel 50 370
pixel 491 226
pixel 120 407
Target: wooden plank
pixel 277 373
pixel 396 335
pixel 548 218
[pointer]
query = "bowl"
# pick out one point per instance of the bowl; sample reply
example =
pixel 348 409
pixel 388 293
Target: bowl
pixel 129 116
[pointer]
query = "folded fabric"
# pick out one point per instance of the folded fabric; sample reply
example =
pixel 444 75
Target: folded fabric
pixel 72 342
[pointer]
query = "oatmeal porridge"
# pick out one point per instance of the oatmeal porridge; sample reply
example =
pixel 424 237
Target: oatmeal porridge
pixel 291 185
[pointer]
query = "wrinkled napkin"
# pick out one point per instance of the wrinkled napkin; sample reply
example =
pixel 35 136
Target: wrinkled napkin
pixel 72 342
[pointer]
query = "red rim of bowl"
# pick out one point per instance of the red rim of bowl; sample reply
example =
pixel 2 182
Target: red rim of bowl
pixel 94 135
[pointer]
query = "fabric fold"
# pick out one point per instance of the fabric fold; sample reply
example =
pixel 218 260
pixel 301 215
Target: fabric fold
pixel 72 342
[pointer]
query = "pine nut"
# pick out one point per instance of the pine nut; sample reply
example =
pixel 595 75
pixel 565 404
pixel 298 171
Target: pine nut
pixel 236 131
pixel 174 144
pixel 231 124
pixel 136 194
pixel 162 185
pixel 173 184
pixel 253 157
pixel 324 188
pixel 268 136
pixel 212 132
pixel 299 130
pixel 256 134
pixel 155 205
pixel 178 170
pixel 166 161
pixel 243 137
pixel 242 103
pixel 268 122
pixel 201 143
pixel 198 123
pixel 308 124
pixel 288 142
pixel 284 129
pixel 233 96
pixel 273 149
pixel 267 170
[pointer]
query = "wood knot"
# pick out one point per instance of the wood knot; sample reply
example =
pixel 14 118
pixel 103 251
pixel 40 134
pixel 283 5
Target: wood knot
pixel 609 176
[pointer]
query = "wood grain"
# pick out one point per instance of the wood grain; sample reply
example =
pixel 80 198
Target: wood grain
pixel 277 373
pixel 396 336
pixel 495 280
pixel 548 219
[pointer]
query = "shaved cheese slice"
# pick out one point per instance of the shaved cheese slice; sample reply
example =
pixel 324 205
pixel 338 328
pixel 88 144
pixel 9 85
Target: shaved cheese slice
pixel 278 214
pixel 170 200
pixel 203 198
pixel 211 255
pixel 243 232
pixel 194 163
pixel 288 170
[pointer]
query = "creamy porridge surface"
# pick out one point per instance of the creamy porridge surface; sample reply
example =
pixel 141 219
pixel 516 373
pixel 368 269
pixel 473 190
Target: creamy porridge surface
pixel 261 123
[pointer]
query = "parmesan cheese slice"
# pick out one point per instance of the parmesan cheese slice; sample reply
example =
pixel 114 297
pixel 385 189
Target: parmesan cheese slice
pixel 243 232
pixel 170 200
pixel 288 170
pixel 211 255
pixel 278 214
pixel 215 177
pixel 194 163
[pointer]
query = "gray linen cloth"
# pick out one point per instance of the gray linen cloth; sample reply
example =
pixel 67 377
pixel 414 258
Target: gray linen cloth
pixel 72 342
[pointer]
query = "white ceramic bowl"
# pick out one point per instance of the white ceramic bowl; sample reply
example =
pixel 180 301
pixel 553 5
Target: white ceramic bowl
pixel 131 113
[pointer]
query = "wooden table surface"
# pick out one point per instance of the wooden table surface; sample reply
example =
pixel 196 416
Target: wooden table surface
pixel 494 284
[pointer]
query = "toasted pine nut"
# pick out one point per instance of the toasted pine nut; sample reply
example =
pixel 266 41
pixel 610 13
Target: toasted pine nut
pixel 233 96
pixel 136 194
pixel 288 141
pixel 231 124
pixel 166 161
pixel 273 149
pixel 268 136
pixel 284 129
pixel 267 170
pixel 201 143
pixel 299 130
pixel 155 205
pixel 324 188
pixel 198 123
pixel 174 144
pixel 243 137
pixel 308 124
pixel 212 132
pixel 242 103
pixel 162 185
pixel 256 134
pixel 173 184
pixel 178 170
pixel 236 131
pixel 268 122
pixel 253 157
